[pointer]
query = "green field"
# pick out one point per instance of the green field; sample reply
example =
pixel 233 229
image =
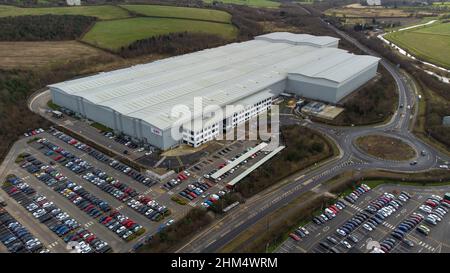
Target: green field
pixel 430 43
pixel 117 33
pixel 441 3
pixel 102 12
pixel 251 3
pixel 180 12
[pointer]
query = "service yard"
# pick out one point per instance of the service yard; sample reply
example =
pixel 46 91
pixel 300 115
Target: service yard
pixel 365 236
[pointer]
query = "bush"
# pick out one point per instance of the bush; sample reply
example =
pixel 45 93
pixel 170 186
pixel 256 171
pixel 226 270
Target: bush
pixel 167 239
pixel 179 200
pixel 53 106
pixel 172 44
pixel 44 27
pixel 303 148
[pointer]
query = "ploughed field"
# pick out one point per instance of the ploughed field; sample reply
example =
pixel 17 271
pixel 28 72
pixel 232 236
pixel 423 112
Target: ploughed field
pixel 29 55
pixel 180 12
pixel 106 12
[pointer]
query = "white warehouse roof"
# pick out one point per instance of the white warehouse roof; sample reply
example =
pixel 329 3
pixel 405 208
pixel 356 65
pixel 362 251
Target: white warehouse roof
pixel 299 39
pixel 221 75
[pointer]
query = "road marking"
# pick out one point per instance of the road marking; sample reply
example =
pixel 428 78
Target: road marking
pixel 52 245
pixel 300 177
pixel 307 182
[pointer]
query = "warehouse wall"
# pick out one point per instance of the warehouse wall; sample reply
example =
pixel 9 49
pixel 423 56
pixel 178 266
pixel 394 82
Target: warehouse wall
pixel 325 90
pixel 99 114
pixel 62 99
pixel 114 120
pixel 317 89
pixel 355 82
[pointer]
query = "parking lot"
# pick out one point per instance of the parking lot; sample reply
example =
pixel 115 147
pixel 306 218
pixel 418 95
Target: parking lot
pixel 16 238
pixel 372 237
pixel 78 193
pixel 89 187
pixel 196 184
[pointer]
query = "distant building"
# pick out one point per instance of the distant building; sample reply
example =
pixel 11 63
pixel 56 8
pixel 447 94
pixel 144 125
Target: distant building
pixel 374 2
pixel 73 2
pixel 446 121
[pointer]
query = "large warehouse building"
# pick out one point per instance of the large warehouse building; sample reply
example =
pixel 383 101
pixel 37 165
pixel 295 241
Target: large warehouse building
pixel 138 101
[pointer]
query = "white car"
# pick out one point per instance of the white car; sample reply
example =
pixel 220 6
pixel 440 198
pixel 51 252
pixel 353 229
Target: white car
pixel 304 230
pixel 346 244
pixel 341 232
pixel 434 216
pixel 122 228
pixel 436 197
pixel 367 227
pixel 425 208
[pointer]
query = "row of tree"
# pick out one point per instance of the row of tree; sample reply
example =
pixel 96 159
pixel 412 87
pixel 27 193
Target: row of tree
pixel 44 27
pixel 172 44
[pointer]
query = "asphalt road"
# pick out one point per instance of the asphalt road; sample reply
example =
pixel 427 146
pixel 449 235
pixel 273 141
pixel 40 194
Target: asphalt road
pixel 351 158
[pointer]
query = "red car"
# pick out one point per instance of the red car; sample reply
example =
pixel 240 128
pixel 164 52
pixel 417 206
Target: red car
pixel 193 194
pixel 334 209
pixel 431 203
pixel 114 213
pixel 182 176
pixel 89 207
pixel 90 238
pixel 295 237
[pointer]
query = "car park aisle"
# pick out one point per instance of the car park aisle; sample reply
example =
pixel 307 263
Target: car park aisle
pixel 381 233
pixel 48 239
pixel 72 210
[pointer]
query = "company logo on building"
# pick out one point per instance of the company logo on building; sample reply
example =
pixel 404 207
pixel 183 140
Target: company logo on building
pixel 156 131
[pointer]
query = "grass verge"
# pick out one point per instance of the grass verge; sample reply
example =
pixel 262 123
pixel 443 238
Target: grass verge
pixel 385 147
pixel 101 127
